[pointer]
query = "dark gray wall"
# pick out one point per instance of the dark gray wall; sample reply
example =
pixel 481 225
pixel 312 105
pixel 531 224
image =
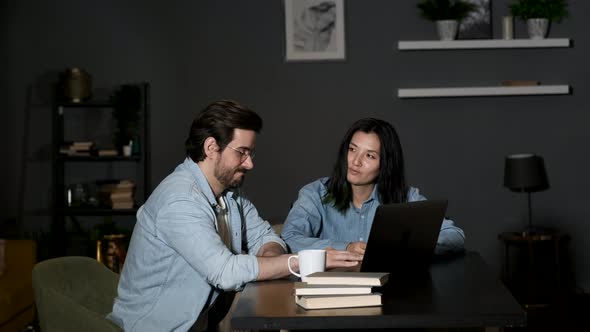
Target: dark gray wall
pixel 195 51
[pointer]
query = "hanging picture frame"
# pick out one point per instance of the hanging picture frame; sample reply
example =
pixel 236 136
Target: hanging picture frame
pixel 478 24
pixel 314 30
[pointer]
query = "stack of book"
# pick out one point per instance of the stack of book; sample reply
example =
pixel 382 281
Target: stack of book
pixel 77 148
pixel 118 195
pixel 323 290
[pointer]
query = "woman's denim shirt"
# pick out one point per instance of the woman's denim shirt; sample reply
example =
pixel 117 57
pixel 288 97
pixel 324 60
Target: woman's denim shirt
pixel 177 264
pixel 311 224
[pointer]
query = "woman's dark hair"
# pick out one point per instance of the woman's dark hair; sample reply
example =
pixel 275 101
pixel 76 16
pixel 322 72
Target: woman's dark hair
pixel 218 120
pixel 391 183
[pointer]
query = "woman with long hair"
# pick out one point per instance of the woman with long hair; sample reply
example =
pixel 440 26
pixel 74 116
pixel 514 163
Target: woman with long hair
pixel 337 212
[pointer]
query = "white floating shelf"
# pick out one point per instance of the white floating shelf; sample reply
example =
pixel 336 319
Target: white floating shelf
pixel 482 43
pixel 484 91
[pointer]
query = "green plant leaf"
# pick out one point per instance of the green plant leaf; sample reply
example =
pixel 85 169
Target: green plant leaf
pixel 553 10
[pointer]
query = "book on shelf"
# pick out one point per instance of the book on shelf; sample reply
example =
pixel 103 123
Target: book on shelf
pixel 116 186
pixel 82 143
pixel 111 190
pixel 122 205
pixel 348 278
pixel 121 195
pixel 76 153
pixel 121 201
pixel 338 301
pixel 106 152
pixel 125 184
pixel 76 148
pixel 81 146
pixel 118 194
pixel 302 288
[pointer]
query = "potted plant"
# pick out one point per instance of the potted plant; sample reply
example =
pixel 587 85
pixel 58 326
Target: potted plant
pixel 447 14
pixel 538 14
pixel 127 106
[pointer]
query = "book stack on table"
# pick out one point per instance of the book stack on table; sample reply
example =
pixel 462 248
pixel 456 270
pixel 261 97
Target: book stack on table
pixel 324 290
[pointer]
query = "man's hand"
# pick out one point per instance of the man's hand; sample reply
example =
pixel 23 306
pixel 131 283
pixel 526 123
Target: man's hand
pixel 341 258
pixel 270 249
pixel 357 247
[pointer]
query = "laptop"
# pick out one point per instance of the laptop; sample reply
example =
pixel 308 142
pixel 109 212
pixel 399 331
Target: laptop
pixel 403 237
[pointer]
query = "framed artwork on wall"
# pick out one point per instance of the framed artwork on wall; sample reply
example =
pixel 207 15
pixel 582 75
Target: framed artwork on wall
pixel 314 30
pixel 478 24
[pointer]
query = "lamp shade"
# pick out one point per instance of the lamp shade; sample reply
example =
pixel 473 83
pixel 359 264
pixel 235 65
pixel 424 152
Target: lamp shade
pixel 525 173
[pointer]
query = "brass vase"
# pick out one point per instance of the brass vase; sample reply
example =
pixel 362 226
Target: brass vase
pixel 76 85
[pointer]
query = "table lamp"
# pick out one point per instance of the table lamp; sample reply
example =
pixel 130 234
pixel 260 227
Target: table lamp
pixel 525 172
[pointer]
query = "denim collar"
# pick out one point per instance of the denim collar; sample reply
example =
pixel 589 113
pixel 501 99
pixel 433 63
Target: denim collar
pixel 203 184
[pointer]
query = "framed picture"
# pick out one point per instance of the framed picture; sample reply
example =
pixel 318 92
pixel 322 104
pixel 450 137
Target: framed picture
pixel 478 24
pixel 314 30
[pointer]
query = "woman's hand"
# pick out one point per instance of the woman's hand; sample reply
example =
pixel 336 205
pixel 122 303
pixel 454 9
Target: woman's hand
pixel 357 248
pixel 341 258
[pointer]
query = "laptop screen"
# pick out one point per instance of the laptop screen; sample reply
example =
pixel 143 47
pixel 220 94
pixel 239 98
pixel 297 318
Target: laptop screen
pixel 403 237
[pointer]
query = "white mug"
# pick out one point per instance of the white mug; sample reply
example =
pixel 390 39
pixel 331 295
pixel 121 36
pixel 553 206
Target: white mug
pixel 127 150
pixel 310 261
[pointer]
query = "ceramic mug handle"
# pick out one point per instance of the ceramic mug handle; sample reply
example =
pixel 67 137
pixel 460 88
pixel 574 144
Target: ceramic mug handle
pixel 289 265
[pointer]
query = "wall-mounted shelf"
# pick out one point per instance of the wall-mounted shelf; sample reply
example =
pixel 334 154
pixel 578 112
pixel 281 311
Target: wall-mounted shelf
pixel 481 43
pixel 484 91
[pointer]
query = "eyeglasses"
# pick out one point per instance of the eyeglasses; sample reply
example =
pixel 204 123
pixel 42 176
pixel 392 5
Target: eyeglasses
pixel 243 154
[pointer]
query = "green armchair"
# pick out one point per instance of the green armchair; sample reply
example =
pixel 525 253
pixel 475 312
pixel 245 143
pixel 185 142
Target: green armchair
pixel 74 294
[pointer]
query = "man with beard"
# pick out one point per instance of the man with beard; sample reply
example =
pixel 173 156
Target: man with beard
pixel 196 236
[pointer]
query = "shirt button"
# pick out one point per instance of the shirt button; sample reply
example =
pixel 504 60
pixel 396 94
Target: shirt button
pixel 363 217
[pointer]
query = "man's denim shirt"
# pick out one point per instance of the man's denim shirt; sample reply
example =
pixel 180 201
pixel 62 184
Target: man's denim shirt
pixel 314 225
pixel 177 264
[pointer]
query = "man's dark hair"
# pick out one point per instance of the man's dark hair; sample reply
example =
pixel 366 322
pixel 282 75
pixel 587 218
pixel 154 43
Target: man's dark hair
pixel 218 120
pixel 391 183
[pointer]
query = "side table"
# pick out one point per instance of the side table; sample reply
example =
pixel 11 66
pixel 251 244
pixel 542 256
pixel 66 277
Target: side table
pixel 535 277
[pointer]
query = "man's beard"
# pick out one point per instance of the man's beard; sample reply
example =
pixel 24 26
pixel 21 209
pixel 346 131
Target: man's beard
pixel 225 176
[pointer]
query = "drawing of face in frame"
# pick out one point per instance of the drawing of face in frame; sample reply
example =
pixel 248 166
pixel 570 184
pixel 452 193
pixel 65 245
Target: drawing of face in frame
pixel 314 30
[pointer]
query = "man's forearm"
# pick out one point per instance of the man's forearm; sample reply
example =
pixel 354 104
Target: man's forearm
pixel 275 267
pixel 272 262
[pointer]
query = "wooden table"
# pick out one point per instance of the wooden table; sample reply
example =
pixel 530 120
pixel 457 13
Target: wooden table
pixel 459 292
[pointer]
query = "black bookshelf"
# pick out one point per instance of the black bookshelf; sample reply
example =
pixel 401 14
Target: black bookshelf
pixel 64 163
